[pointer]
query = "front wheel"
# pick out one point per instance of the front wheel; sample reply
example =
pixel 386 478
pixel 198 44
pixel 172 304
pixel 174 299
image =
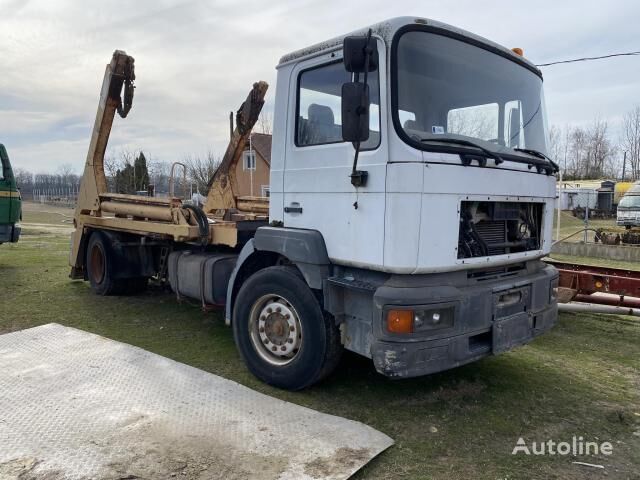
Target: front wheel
pixel 281 332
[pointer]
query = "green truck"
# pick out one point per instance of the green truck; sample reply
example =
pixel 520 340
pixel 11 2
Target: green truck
pixel 10 201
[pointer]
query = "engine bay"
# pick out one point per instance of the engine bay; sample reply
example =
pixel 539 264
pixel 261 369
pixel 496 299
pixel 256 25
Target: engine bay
pixel 498 228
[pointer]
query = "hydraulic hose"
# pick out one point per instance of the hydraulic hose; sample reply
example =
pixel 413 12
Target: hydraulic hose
pixel 202 221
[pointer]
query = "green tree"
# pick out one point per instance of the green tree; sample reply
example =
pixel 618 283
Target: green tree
pixel 141 174
pixel 132 177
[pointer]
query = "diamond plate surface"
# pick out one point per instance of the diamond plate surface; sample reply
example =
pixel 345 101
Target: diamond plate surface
pixel 74 405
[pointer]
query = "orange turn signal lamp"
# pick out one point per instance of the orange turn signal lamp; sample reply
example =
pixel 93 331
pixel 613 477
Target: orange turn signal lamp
pixel 400 321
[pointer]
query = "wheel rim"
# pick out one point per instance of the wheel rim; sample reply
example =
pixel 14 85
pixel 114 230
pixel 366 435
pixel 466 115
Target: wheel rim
pixel 275 329
pixel 97 264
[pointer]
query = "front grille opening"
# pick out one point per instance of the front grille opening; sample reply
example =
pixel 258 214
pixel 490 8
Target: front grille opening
pixel 480 342
pixel 495 273
pixel 498 228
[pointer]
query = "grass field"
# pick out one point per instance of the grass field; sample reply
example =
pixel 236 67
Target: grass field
pixel 581 379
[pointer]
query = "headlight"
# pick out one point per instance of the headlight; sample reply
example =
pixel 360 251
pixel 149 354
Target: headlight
pixel 420 319
pixel 433 319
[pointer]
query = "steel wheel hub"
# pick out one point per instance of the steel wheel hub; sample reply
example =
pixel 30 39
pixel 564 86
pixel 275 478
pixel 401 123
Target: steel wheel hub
pixel 275 329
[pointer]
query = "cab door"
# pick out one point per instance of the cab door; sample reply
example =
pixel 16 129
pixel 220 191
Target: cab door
pixel 318 193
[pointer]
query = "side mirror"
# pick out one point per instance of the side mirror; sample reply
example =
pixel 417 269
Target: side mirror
pixel 355 112
pixel 360 55
pixel 355 53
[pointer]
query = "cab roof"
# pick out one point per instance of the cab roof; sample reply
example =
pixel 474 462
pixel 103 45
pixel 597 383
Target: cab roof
pixel 387 29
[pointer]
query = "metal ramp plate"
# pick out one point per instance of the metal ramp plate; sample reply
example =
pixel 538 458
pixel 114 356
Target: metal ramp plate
pixel 74 405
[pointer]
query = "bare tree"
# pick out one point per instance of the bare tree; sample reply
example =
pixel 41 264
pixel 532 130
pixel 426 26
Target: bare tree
pixel 200 170
pixel 65 170
pixel 631 140
pixel 556 143
pixel 565 141
pixel 577 147
pixel 600 150
pixel 111 165
pixel 159 176
pixel 24 180
pixel 265 122
pixel 584 153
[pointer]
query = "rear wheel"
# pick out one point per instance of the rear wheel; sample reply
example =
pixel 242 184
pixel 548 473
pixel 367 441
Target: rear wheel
pixel 100 265
pixel 281 332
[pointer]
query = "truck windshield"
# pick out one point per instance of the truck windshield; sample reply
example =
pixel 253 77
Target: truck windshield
pixel 448 88
pixel 630 201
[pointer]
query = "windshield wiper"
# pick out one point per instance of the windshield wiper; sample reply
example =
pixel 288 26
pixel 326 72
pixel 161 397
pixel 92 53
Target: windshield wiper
pixel 548 166
pixel 541 155
pixel 466 159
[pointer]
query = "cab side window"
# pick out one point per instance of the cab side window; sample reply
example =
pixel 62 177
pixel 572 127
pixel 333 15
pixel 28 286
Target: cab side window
pixel 319 106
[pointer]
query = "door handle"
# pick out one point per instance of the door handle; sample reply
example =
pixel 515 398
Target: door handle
pixel 294 207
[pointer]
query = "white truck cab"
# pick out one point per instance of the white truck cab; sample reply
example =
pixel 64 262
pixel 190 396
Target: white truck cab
pixel 628 214
pixel 435 261
pixel 433 83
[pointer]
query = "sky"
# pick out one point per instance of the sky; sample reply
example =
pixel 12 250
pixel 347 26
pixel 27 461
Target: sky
pixel 197 59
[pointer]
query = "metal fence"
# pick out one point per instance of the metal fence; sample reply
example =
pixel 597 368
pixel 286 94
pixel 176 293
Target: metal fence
pixel 582 212
pixel 62 196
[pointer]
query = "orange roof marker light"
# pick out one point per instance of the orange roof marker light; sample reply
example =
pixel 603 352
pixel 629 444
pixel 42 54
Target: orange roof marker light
pixel 518 51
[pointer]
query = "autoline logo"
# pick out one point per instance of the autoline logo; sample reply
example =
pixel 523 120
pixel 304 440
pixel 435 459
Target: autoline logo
pixel 577 446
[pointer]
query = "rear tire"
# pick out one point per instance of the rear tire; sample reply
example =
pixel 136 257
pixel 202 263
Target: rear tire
pixel 281 332
pixel 100 265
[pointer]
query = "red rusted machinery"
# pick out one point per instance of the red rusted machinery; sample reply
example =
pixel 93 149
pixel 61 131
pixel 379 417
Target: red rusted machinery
pixel 598 285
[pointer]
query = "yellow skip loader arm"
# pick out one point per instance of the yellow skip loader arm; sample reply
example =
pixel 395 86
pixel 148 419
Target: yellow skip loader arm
pixel 166 218
pixel 223 186
pixel 119 72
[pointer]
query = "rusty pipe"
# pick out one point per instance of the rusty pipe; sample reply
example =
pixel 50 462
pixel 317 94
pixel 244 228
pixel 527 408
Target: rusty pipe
pixel 608 299
pixel 601 309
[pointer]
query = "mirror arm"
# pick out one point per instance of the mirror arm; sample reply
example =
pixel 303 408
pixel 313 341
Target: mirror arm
pixel 359 177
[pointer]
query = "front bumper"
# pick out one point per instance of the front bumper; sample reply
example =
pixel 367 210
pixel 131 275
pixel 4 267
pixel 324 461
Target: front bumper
pixel 628 218
pixel 9 233
pixel 628 222
pixel 482 325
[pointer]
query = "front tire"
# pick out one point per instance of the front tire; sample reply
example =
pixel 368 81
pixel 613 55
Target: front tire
pixel 281 332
